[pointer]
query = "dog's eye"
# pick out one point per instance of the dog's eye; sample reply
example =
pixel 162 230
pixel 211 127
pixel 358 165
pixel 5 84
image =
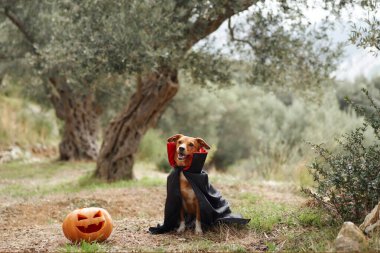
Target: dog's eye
pixel 191 144
pixel 180 142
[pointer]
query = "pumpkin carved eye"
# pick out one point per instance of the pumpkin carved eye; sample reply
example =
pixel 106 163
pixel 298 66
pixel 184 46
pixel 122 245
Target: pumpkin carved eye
pixel 81 217
pixel 98 214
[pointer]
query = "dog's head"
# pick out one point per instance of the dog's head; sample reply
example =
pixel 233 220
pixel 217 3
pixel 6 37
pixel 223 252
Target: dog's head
pixel 185 147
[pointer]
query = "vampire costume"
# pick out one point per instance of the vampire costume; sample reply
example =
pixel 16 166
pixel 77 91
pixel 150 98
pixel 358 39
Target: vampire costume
pixel 213 207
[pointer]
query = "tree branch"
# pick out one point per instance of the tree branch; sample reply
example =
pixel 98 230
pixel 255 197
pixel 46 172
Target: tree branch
pixel 233 38
pixel 20 25
pixel 205 26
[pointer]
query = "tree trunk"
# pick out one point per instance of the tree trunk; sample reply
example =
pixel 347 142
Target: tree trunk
pixel 80 118
pixel 123 135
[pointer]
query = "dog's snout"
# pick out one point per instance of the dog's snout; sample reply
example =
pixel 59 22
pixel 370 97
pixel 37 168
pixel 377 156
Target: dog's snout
pixel 181 149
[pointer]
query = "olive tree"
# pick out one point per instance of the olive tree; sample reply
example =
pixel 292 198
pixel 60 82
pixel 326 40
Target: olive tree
pixel 154 43
pixel 150 40
pixel 158 43
pixel 28 29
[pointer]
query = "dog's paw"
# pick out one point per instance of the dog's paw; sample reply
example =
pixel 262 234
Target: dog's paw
pixel 181 228
pixel 198 231
pixel 198 227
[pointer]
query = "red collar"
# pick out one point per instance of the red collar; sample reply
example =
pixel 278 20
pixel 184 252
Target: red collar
pixel 171 147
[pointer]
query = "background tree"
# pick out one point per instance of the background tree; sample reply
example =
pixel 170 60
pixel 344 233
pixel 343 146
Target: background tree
pixel 157 44
pixel 367 34
pixel 148 39
pixel 27 27
pixel 154 42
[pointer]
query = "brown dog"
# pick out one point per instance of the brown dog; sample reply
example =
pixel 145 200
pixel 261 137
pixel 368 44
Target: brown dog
pixel 185 147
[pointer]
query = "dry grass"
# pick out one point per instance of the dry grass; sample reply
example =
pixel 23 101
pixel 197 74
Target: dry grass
pixel 24 123
pixel 31 217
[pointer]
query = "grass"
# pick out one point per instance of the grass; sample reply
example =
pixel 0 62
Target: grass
pixel 311 239
pixel 311 217
pixel 41 170
pixel 275 225
pixel 83 247
pixel 288 227
pixel 26 180
pixel 374 243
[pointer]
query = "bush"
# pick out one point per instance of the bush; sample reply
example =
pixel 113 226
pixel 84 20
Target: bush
pixel 348 180
pixel 263 136
pixel 350 89
pixel 257 132
pixel 152 147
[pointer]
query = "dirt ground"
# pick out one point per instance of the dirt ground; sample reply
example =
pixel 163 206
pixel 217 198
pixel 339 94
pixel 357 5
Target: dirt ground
pixel 34 224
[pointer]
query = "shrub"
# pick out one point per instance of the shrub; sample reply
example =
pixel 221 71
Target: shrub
pixel 262 136
pixel 152 147
pixel 163 165
pixel 348 180
pixel 255 132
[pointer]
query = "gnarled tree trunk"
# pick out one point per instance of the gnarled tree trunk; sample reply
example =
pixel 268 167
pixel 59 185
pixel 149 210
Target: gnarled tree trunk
pixel 80 118
pixel 123 135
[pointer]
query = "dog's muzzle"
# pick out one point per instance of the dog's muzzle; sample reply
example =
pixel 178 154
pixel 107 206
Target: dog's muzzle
pixel 181 156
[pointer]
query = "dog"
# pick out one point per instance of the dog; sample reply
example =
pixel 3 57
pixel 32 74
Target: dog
pixel 185 147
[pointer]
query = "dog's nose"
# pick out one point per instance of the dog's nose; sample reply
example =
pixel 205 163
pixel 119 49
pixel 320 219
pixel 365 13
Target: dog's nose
pixel 181 149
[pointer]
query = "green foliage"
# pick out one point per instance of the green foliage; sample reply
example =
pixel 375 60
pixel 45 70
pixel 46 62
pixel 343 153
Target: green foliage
pixel 311 217
pixel 84 247
pixel 283 49
pixel 194 112
pixel 251 130
pixel 267 136
pixel 348 180
pixel 25 123
pixel 366 35
pixel 87 41
pixel 153 147
pixel 350 90
pixel 163 165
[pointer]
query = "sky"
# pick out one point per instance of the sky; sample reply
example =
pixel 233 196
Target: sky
pixel 356 61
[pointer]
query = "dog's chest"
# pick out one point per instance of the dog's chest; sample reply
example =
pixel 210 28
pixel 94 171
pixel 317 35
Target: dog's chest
pixel 188 195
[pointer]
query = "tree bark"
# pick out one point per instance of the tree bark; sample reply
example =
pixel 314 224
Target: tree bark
pixel 123 135
pixel 80 118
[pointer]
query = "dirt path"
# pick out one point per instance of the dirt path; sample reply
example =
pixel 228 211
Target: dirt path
pixel 35 224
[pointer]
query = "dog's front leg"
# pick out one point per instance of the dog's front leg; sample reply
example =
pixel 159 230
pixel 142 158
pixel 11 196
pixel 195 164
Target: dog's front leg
pixel 182 226
pixel 198 226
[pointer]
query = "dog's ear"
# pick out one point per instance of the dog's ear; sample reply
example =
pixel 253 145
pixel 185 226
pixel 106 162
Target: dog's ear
pixel 202 143
pixel 174 138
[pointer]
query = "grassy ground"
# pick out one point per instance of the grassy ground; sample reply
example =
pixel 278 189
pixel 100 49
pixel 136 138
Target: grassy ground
pixel 37 196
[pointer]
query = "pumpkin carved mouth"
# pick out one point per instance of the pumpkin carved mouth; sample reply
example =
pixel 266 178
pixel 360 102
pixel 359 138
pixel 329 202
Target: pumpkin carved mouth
pixel 90 225
pixel 91 228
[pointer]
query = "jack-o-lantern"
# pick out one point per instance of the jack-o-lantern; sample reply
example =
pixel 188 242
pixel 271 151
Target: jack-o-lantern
pixel 87 224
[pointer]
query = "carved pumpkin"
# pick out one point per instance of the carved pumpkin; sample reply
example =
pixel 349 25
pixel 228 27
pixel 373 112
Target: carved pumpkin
pixel 87 224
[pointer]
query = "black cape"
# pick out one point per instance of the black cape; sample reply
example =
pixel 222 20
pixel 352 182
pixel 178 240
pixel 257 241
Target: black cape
pixel 214 208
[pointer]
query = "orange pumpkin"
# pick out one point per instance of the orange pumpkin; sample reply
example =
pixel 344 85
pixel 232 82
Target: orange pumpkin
pixel 87 224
